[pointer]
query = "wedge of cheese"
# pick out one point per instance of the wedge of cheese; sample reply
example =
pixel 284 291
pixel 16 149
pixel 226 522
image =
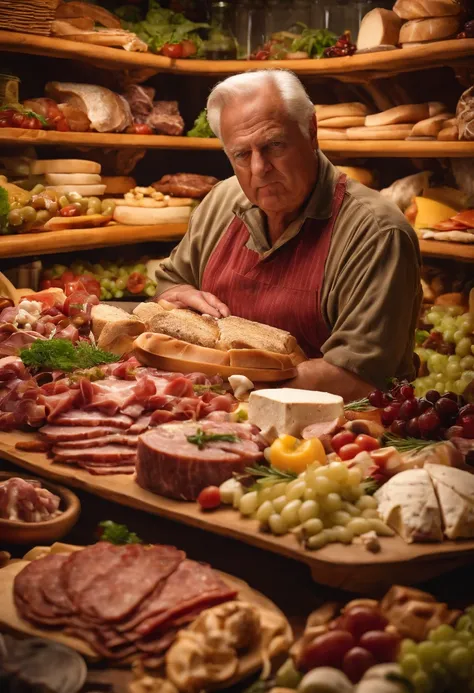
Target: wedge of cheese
pixel 457 479
pixel 408 504
pixel 457 512
pixel 431 212
pixel 289 410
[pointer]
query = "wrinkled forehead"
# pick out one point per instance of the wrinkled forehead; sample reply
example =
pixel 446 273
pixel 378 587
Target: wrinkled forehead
pixel 246 114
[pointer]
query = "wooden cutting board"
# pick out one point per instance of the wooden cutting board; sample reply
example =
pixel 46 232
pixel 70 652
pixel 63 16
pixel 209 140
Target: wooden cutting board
pixel 348 567
pixel 10 620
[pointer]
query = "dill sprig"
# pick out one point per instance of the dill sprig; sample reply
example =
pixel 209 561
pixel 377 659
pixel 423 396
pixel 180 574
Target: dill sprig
pixel 63 355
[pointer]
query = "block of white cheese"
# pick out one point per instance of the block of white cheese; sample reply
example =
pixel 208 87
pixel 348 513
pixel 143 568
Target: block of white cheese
pixel 63 166
pixel 288 410
pixel 408 504
pixel 84 190
pixel 72 178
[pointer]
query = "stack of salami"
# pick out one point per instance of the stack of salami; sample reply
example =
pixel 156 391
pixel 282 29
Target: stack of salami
pixel 124 601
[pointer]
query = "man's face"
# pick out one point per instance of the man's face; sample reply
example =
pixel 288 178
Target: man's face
pixel 273 161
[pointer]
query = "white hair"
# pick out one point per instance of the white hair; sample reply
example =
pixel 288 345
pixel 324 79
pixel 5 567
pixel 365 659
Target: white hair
pixel 297 103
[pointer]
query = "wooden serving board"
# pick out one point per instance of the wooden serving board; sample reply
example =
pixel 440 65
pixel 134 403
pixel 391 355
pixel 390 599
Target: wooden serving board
pixel 348 567
pixel 10 620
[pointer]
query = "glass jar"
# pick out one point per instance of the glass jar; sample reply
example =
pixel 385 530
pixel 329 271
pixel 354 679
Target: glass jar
pixel 277 17
pixel 9 87
pixel 341 16
pixel 221 43
pixel 249 26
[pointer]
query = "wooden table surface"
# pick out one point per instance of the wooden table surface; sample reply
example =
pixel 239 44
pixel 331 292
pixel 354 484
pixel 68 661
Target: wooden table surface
pixel 288 583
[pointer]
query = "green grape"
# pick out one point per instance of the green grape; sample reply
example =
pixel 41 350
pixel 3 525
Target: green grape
pixel 118 293
pixel 121 283
pixel 433 318
pixel 439 385
pixel 421 682
pixel 467 376
pixel 458 335
pixel 449 385
pixel 464 637
pixel 108 296
pixel 460 661
pixel 448 322
pixel 453 370
pixel 123 272
pixel 464 623
pixel 459 387
pixel 438 309
pixel 408 646
pixel 449 335
pixel 466 323
pixel 467 363
pixel 443 649
pixel 437 363
pixel 455 310
pixel 410 664
pixel 102 293
pixel 427 654
pixel 97 269
pixel 443 633
pixel 463 347
pixel 150 291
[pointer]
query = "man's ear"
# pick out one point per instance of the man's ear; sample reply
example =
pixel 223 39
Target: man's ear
pixel 313 131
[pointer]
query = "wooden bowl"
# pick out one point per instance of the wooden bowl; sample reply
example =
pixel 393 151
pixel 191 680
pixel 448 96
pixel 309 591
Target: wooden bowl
pixel 16 532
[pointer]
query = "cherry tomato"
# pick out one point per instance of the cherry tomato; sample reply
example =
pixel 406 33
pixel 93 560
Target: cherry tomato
pixel 384 646
pixel 18 120
pixel 5 122
pixel 189 48
pixel 172 50
pixel 61 125
pixel 367 443
pixel 140 129
pixel 356 662
pixel 327 650
pixel 261 55
pixel 136 283
pixel 68 276
pixel 362 619
pixel 209 498
pixel 45 284
pixel 90 283
pixel 32 123
pixel 342 438
pixel 348 452
pixel 8 113
pixel 57 283
pixel 70 211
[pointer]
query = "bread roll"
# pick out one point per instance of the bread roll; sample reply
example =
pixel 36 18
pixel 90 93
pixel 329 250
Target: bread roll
pixel 103 315
pixel 450 134
pixel 332 134
pixel 410 113
pixel 433 29
pixel 436 108
pixel 384 132
pixel 420 9
pixel 118 337
pixel 323 112
pixel 429 127
pixel 379 27
pixel 342 122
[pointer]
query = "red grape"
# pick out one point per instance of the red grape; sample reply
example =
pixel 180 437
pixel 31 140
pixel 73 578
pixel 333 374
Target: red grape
pixel 423 405
pixel 467 423
pixel 361 619
pixel 376 398
pixel 454 432
pixel 399 428
pixel 413 428
pixel 409 409
pixel 326 650
pixel 429 422
pixel 390 413
pixel 467 410
pixel 356 662
pixel 348 452
pixel 384 646
pixel 407 391
pixel 432 396
pixel 366 442
pixel 446 408
pixel 451 395
pixel 341 439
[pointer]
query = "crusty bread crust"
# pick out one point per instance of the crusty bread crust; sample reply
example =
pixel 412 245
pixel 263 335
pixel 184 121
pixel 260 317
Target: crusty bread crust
pixel 187 326
pixel 238 333
pixel 118 337
pixel 103 315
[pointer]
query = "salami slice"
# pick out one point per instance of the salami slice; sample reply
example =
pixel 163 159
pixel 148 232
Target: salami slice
pixel 28 593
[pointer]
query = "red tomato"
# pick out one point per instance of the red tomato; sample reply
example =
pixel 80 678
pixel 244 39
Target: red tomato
pixel 189 48
pixel 57 283
pixel 348 452
pixel 140 129
pixel 18 120
pixel 45 284
pixel 384 646
pixel 361 619
pixel 209 498
pixel 367 442
pixel 68 276
pixel 74 286
pixel 70 211
pixel 172 50
pixel 326 650
pixel 5 122
pixel 356 662
pixel 91 284
pixel 32 123
pixel 261 55
pixel 62 125
pixel 343 438
pixel 8 113
pixel 136 283
pixel 76 301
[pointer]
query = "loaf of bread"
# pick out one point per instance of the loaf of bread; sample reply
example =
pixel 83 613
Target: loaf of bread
pixel 420 9
pixel 450 134
pixel 63 166
pixel 379 27
pixel 430 127
pixel 432 29
pixel 385 132
pixel 409 113
pixel 332 134
pixel 342 122
pixel 238 333
pixel 323 112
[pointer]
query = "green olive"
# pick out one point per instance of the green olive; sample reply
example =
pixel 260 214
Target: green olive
pixel 83 205
pixel 38 202
pixel 95 206
pixel 29 214
pixel 74 196
pixel 43 216
pixel 37 189
pixel 63 201
pixel 15 217
pixel 52 207
pixel 107 204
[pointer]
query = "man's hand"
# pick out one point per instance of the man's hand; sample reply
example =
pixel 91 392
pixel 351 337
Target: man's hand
pixel 187 296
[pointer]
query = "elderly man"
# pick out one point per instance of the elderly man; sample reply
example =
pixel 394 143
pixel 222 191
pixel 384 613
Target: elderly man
pixel 291 242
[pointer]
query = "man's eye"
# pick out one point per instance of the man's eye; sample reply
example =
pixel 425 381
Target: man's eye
pixel 276 145
pixel 241 156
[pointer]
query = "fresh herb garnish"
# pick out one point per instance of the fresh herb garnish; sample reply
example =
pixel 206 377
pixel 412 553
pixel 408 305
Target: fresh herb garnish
pixel 312 41
pixel 117 534
pixel 421 336
pixel 4 210
pixel 408 444
pixel 209 388
pixel 200 438
pixel 370 486
pixel 63 355
pixel 201 127
pixel 358 405
pixel 268 476
pixel 26 112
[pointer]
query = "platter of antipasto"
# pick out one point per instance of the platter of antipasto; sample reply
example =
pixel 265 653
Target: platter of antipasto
pixel 349 489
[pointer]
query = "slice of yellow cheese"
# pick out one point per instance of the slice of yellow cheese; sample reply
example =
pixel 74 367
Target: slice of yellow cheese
pixel 431 212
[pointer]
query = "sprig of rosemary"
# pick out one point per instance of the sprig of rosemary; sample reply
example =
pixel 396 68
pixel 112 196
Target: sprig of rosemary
pixel 370 486
pixel 268 476
pixel 200 438
pixel 358 405
pixel 408 444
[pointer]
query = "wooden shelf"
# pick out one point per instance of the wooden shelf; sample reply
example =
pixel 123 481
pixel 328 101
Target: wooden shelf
pixel 354 68
pixel 450 251
pixel 343 148
pixel 21 245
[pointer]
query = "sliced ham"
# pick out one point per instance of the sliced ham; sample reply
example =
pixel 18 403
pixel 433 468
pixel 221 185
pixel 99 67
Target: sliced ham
pixel 108 439
pixel 58 434
pixel 107 471
pixel 109 454
pixel 93 418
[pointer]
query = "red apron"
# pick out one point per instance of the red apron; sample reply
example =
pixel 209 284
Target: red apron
pixel 283 290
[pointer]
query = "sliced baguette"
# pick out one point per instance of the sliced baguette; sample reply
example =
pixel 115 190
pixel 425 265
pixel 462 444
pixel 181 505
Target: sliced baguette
pixel 64 166
pixel 146 311
pixel 332 134
pixel 342 122
pixel 410 113
pixel 118 337
pixel 238 333
pixel 341 109
pixel 187 326
pixel 103 315
pixel 429 127
pixel 384 132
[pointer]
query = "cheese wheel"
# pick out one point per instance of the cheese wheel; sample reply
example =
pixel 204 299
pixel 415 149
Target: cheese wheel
pixel 72 178
pixel 84 190
pixel 146 215
pixel 379 27
pixel 64 166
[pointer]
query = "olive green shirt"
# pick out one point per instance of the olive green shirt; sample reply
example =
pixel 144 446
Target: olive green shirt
pixel 371 291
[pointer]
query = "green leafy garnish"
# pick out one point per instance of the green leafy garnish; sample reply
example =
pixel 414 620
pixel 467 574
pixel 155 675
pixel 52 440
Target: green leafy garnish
pixel 198 389
pixel 370 486
pixel 421 336
pixel 241 415
pixel 200 438
pixel 268 476
pixel 63 355
pixel 358 405
pixel 4 210
pixel 408 444
pixel 312 41
pixel 26 112
pixel 201 127
pixel 117 534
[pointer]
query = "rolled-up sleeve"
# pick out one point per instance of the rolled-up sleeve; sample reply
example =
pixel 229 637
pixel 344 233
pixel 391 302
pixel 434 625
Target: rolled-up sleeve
pixel 375 301
pixel 182 266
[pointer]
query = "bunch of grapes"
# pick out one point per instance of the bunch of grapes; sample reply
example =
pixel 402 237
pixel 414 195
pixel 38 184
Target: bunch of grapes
pixel 443 663
pixel 448 352
pixel 432 417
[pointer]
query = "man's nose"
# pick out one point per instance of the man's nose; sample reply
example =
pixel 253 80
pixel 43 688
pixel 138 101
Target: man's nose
pixel 259 164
